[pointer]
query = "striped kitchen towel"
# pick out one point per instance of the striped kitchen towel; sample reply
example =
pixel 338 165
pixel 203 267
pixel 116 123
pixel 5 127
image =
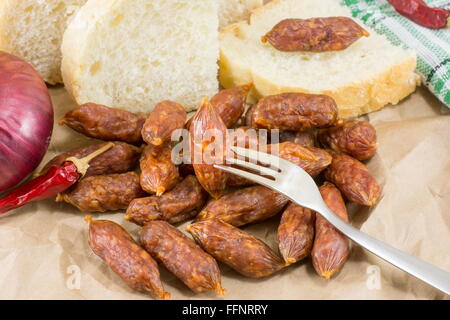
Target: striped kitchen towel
pixel 432 46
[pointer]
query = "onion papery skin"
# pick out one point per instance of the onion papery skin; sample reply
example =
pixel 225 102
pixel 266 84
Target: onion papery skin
pixel 26 120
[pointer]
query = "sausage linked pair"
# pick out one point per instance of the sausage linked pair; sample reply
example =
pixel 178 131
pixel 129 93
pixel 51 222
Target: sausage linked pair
pixel 302 232
pixel 160 241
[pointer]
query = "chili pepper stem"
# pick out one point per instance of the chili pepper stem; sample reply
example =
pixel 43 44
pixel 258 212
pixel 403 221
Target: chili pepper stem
pixel 83 164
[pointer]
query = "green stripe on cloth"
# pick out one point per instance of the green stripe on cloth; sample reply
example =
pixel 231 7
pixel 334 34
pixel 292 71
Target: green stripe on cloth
pixel 432 46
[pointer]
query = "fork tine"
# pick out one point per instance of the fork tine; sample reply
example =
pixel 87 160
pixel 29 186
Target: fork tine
pixel 251 176
pixel 252 166
pixel 283 165
pixel 262 157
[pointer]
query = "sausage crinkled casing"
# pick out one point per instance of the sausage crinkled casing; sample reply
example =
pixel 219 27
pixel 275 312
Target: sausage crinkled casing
pixel 315 34
pixel 121 158
pixel 236 248
pixel 295 111
pixel 296 233
pixel 182 257
pixel 353 179
pixel 166 117
pixel 235 181
pixel 133 264
pixel 245 206
pixel 207 132
pixel 158 172
pixel 245 137
pixel 305 139
pixel 103 193
pixel 331 248
pixel 181 203
pixel 355 138
pixel 229 104
pixel 312 160
pixel 105 123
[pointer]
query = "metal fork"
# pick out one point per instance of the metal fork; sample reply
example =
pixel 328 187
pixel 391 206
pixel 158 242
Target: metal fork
pixel 293 182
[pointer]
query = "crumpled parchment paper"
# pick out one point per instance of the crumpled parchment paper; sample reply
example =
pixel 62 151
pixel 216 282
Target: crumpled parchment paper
pixel 44 252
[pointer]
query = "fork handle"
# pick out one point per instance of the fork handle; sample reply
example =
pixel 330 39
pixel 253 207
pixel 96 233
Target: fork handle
pixel 420 269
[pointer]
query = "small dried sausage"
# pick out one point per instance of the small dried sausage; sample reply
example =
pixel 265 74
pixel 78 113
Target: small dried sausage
pixel 229 104
pixel 105 123
pixel 178 205
pixel 181 256
pixel 296 233
pixel 209 132
pixel 294 111
pixel 353 179
pixel 245 137
pixel 331 248
pixel 234 181
pixel 305 139
pixel 134 265
pixel 166 117
pixel 244 206
pixel 104 193
pixel 355 138
pixel 236 248
pixel 119 159
pixel 312 160
pixel 158 172
pixel 315 34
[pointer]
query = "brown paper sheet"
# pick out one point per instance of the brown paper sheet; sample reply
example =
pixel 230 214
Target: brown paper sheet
pixel 44 252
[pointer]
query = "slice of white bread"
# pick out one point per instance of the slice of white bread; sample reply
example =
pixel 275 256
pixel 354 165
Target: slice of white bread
pixel 231 11
pixel 33 30
pixel 132 54
pixel 368 75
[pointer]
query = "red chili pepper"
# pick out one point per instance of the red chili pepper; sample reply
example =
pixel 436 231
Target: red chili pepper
pixel 419 12
pixel 56 180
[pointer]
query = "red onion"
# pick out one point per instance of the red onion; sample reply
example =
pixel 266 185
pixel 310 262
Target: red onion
pixel 26 120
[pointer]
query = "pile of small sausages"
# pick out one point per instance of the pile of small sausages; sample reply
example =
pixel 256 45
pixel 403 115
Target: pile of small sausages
pixel 138 175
